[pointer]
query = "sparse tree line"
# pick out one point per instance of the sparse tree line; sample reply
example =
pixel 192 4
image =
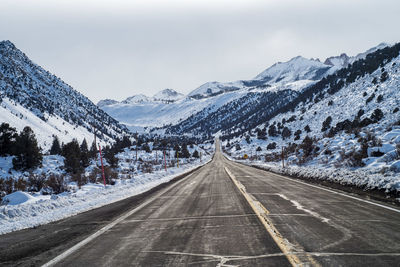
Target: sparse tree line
pixel 28 156
pixel 308 149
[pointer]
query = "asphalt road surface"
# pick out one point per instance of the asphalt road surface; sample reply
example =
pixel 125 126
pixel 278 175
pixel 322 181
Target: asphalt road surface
pixel 228 214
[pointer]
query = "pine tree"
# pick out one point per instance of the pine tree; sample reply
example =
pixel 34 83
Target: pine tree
pixel 93 151
pixel 109 155
pixel 84 154
pixel 55 147
pixel 146 148
pixel 286 133
pixel 28 154
pixel 196 154
pixel 8 137
pixel 326 124
pixel 272 131
pixel 72 154
pixel 185 152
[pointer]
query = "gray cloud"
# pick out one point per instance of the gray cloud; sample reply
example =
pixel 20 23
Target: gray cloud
pixel 114 49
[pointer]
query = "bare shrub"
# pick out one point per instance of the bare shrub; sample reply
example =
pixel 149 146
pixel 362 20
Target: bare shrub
pixel 109 174
pixel 56 184
pixel 20 185
pixel 79 179
pixel 146 167
pixel 36 182
pixel 6 186
pixel 94 175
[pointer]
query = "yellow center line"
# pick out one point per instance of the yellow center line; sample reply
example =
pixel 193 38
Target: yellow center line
pixel 291 251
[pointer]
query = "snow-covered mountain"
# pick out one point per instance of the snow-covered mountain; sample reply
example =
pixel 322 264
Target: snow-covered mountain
pixel 298 68
pixel 340 61
pixel 168 95
pixel 345 128
pixel 215 88
pixel 106 102
pixel 224 106
pixel 31 96
pixel 136 99
pixel 344 60
pixel 169 107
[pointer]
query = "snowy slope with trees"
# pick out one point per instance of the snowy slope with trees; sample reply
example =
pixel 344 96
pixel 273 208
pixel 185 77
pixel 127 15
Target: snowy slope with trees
pixel 348 121
pixel 260 99
pixel 31 96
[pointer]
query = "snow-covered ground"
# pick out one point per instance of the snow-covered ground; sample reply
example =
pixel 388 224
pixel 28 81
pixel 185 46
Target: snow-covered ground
pixel 362 178
pixel 21 210
pixel 29 210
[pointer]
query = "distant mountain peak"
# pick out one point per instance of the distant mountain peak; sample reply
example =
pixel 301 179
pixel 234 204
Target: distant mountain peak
pixel 167 95
pixel 140 98
pixel 342 60
pixel 106 102
pixel 297 68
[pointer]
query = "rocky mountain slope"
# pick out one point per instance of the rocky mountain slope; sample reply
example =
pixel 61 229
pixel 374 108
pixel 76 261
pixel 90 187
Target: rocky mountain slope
pixel 31 96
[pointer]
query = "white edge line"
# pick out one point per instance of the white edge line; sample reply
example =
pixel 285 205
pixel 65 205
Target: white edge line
pixel 109 226
pixel 332 191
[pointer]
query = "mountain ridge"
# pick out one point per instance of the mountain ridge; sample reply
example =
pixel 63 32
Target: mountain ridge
pixel 38 93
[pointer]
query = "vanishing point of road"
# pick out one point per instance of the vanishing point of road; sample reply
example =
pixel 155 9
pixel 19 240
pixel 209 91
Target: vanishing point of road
pixel 223 214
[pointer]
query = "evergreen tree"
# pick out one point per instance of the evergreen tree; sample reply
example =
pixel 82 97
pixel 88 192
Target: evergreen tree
pixel 84 154
pixel 185 152
pixel 8 137
pixel 177 150
pixel 72 154
pixel 286 133
pixel 262 134
pixel 55 147
pixel 307 145
pixel 146 148
pixel 271 146
pixel 326 124
pixel 93 151
pixel 109 155
pixel 272 131
pixel 28 154
pixel 196 154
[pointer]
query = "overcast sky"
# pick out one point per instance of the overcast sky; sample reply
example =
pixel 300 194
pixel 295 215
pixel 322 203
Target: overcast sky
pixel 118 48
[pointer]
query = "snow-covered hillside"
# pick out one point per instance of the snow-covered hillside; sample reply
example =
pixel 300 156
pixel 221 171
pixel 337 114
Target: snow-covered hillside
pixel 31 96
pixel 140 115
pixel 18 117
pixel 354 126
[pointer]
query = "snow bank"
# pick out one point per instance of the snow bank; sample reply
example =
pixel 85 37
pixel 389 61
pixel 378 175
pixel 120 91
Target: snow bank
pixel 29 211
pixel 363 178
pixel 17 198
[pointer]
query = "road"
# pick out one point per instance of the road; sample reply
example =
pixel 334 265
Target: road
pixel 229 214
